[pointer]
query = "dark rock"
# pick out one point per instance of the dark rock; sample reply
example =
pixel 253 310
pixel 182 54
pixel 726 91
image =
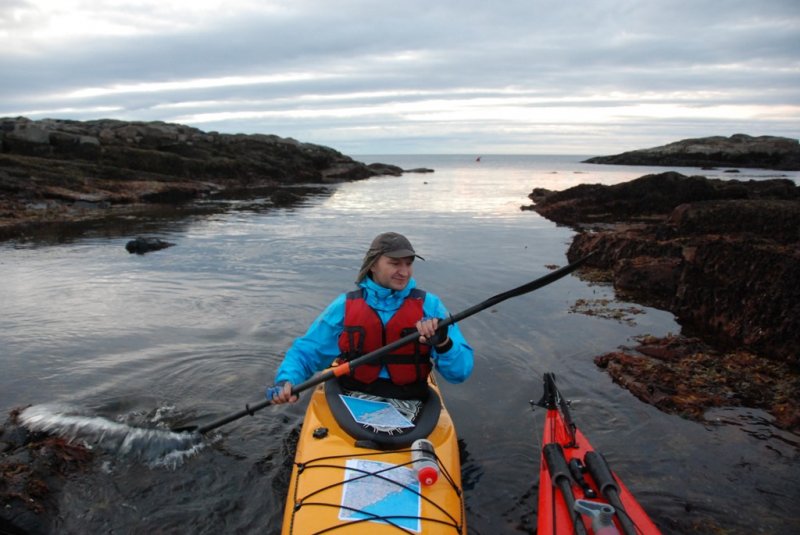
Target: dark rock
pixel 540 194
pixel 777 220
pixel 657 278
pixel 735 290
pixel 32 474
pixel 343 170
pixel 739 150
pixel 686 376
pixel 285 198
pixel 724 257
pixel 385 169
pixel 131 163
pixel 418 170
pixel 651 197
pixel 13 437
pixel 145 245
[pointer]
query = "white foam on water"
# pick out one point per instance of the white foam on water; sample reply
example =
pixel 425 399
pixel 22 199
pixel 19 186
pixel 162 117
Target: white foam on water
pixel 154 447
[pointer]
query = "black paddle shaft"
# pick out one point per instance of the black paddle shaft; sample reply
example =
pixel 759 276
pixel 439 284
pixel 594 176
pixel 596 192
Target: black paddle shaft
pixel 412 337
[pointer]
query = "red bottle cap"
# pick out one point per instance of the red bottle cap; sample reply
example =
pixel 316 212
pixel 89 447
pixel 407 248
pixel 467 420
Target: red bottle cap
pixel 428 476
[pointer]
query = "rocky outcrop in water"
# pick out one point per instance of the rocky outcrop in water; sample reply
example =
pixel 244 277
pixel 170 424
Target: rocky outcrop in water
pixel 686 376
pixel 145 245
pixel 56 170
pixel 33 469
pixel 738 150
pixel 723 256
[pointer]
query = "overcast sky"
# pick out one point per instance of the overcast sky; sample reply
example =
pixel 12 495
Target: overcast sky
pixel 409 76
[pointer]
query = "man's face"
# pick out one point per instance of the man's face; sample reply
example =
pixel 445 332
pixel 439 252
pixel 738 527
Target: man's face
pixel 393 273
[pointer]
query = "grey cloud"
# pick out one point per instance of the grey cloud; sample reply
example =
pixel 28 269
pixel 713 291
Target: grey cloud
pixel 562 51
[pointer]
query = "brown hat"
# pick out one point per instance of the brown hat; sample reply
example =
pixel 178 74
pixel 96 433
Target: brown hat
pixel 391 244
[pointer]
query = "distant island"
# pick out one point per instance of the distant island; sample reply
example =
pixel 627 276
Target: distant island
pixel 55 172
pixel 738 150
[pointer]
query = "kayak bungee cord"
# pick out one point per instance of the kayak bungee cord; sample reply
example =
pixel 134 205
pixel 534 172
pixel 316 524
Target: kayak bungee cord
pixel 320 463
pixel 346 367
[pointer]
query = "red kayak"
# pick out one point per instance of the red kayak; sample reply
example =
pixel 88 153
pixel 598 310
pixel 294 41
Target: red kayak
pixel 578 492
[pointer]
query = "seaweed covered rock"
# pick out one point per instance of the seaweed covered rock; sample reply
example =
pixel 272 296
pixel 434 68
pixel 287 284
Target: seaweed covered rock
pixel 721 255
pixel 34 467
pixel 724 257
pixel 685 376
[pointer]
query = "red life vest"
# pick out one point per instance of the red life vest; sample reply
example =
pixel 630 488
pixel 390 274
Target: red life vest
pixel 364 332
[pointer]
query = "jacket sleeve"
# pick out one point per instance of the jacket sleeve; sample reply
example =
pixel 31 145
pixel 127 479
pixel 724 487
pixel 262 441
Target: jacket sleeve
pixel 455 365
pixel 317 348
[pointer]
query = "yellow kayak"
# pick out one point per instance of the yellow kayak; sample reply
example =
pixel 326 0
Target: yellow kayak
pixel 347 479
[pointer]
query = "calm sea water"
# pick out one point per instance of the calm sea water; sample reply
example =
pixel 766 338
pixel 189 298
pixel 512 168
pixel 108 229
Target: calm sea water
pixel 195 331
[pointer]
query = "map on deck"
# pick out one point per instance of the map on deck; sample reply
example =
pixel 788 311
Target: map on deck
pixel 375 413
pixel 370 497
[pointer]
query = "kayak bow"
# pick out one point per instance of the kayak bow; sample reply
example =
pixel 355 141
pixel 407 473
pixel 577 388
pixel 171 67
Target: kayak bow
pixel 578 492
pixel 354 485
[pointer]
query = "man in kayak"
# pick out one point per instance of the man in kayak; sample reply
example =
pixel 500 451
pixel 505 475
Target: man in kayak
pixel 386 307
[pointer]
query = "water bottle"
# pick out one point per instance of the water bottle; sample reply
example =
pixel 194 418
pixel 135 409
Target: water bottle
pixel 424 461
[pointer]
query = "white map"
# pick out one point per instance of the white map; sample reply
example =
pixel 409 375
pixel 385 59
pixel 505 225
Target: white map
pixel 375 413
pixel 367 496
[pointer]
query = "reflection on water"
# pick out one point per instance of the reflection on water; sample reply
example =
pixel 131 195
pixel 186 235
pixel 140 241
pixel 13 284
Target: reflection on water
pixel 202 326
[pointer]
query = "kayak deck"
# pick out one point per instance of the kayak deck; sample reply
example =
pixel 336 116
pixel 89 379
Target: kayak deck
pixel 339 487
pixel 555 516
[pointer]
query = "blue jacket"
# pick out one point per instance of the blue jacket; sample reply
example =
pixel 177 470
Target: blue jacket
pixel 319 346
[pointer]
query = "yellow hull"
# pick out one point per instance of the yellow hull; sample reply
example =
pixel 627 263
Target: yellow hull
pixel 329 493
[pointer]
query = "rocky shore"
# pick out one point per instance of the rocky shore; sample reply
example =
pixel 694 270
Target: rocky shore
pixel 724 257
pixel 54 171
pixel 738 150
